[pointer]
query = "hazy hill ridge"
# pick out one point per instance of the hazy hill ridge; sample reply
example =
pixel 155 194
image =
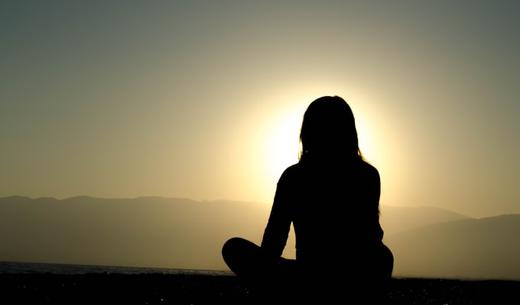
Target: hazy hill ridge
pixel 468 248
pixel 396 219
pixel 184 233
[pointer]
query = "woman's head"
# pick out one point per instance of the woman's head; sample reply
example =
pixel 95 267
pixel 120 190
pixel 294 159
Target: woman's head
pixel 329 130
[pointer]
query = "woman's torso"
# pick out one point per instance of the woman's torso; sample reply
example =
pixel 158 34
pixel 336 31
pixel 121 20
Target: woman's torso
pixel 334 209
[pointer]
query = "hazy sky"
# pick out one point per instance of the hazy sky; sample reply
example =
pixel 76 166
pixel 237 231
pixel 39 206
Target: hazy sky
pixel 203 99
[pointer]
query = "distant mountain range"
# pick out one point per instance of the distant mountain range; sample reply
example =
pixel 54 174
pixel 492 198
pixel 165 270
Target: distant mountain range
pixel 183 233
pixel 468 248
pixel 396 219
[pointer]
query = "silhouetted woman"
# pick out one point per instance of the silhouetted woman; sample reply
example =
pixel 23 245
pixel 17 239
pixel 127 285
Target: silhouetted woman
pixel 331 196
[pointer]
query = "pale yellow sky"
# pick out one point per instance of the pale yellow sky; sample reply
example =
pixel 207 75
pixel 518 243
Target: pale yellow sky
pixel 204 100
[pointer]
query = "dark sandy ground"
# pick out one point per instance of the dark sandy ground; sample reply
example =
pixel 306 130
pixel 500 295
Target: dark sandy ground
pixel 224 289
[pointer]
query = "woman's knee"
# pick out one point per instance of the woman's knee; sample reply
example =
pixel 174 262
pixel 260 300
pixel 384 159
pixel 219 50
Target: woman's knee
pixel 237 247
pixel 242 256
pixel 230 246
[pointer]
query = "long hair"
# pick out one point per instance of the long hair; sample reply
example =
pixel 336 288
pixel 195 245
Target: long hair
pixel 329 131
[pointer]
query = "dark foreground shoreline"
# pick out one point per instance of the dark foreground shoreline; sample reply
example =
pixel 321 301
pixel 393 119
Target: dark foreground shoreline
pixel 109 288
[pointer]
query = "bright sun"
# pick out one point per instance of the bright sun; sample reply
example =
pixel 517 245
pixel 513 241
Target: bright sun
pixel 364 138
pixel 283 145
pixel 278 127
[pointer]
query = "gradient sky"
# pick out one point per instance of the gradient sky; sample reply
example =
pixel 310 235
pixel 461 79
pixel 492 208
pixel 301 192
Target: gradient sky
pixel 203 99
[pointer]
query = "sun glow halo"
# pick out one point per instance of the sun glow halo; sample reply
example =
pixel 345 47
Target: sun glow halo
pixel 283 144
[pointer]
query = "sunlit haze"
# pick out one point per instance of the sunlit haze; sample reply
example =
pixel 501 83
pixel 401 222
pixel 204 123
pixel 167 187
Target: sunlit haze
pixel 204 100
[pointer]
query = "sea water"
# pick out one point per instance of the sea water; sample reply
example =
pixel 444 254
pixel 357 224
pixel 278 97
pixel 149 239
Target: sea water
pixel 49 268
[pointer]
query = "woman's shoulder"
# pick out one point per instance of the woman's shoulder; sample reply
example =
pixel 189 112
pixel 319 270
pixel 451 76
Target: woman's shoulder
pixel 292 171
pixel 364 165
pixel 300 169
pixel 368 170
pixel 292 174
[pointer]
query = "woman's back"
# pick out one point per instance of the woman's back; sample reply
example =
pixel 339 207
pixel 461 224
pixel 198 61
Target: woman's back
pixel 333 207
